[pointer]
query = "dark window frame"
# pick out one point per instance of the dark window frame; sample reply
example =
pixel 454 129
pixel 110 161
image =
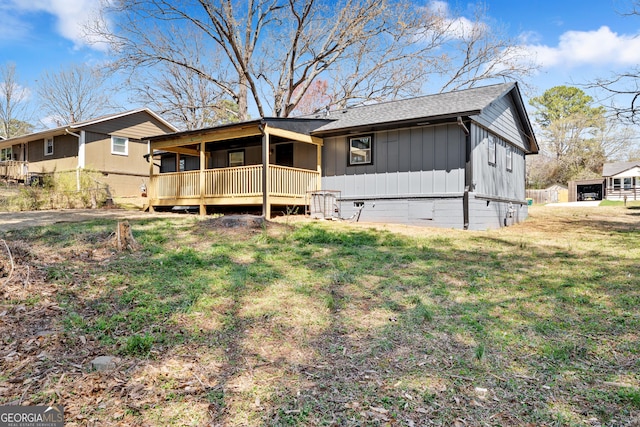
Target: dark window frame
pixel 350 161
pixel 244 160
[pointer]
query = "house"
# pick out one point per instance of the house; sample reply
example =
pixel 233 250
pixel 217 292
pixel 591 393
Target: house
pixel 455 160
pixel 622 180
pixel 111 145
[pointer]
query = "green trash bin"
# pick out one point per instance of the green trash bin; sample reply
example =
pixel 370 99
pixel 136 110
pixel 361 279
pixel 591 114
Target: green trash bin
pixel 529 201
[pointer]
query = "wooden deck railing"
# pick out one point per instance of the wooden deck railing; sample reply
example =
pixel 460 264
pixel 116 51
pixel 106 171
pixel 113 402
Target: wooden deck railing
pixel 287 182
pixel 176 185
pixel 13 169
pixel 632 193
pixel 244 181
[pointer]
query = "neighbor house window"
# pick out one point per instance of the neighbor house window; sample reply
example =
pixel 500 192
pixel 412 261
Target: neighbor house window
pixel 48 146
pixel 492 150
pixel 6 154
pixel 236 158
pixel 360 148
pixel 627 183
pixel 617 183
pixel 509 158
pixel 119 145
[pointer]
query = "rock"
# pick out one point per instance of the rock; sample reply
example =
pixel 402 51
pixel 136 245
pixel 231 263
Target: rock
pixel 104 363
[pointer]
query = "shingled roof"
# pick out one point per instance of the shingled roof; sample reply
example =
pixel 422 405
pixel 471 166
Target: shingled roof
pixel 612 169
pixel 457 103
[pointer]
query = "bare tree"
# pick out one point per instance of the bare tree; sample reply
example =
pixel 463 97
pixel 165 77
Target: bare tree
pixel 13 104
pixel 622 90
pixel 179 93
pixel 73 94
pixel 272 51
pixel 480 53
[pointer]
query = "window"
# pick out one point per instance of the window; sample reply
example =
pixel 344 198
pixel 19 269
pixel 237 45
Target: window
pixel 627 183
pixel 617 183
pixel 119 145
pixel 492 150
pixel 6 154
pixel 236 158
pixel 360 150
pixel 48 146
pixel 509 158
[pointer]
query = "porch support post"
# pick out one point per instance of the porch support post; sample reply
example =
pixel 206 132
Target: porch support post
pixel 266 176
pixel 319 166
pixel 203 206
pixel 150 191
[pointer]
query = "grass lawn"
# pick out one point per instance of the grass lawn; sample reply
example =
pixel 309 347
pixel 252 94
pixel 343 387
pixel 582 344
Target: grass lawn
pixel 322 323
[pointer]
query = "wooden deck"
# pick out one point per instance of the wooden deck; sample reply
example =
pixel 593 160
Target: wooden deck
pixel 240 186
pixel 13 169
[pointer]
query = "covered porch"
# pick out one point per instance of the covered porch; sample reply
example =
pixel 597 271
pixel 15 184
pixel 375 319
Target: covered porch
pixel 261 163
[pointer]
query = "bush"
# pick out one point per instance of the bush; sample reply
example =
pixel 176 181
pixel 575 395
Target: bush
pixel 59 190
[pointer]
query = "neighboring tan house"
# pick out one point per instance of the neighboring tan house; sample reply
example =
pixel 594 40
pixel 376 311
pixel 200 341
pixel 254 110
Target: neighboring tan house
pixel 111 145
pixel 622 180
pixel 454 160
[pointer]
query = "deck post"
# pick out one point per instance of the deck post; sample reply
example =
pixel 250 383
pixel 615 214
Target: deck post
pixel 319 166
pixel 151 191
pixel 203 206
pixel 266 185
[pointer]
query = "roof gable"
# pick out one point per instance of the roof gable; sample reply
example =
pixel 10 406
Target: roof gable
pixel 611 169
pixel 62 130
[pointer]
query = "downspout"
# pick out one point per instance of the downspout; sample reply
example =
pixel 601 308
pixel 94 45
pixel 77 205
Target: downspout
pixel 468 173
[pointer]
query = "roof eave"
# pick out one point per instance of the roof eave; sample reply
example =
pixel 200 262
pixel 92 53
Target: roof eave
pixel 416 121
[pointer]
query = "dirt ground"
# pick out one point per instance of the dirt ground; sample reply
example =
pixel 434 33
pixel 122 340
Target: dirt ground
pixel 21 220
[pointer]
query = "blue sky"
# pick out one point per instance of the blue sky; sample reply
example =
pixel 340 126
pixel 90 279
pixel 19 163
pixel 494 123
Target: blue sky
pixel 573 41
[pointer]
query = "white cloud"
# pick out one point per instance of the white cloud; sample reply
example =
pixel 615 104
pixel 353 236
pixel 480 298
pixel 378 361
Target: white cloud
pixel 71 16
pixel 457 27
pixel 593 48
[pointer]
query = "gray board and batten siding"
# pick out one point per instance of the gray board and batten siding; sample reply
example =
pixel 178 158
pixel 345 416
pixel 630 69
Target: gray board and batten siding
pixel 413 178
pixel 425 174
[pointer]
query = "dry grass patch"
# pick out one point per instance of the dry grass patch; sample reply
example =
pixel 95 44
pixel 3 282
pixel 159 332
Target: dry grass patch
pixel 322 323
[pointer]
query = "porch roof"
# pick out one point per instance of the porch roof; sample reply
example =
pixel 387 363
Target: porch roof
pixel 298 129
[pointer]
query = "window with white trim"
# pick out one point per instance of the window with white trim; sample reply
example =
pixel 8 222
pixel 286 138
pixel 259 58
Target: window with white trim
pixel 361 150
pixel 48 146
pixel 492 149
pixel 119 145
pixel 6 154
pixel 509 158
pixel 617 183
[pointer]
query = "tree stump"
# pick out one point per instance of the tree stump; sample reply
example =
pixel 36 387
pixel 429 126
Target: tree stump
pixel 124 237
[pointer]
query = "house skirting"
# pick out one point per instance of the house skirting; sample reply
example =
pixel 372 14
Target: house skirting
pixel 435 211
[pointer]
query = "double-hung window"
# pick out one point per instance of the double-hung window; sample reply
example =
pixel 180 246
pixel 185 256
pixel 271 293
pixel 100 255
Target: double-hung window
pixel 48 146
pixel 492 150
pixel 119 145
pixel 361 150
pixel 509 158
